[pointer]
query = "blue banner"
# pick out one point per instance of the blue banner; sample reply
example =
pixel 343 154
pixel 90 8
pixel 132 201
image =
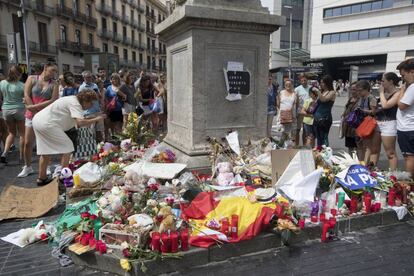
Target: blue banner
pixel 358 177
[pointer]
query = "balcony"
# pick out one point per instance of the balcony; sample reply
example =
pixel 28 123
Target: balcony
pixel 43 9
pixel 116 15
pixel 151 32
pixel 64 11
pixel 116 37
pixel 125 19
pixel 41 48
pixel 104 9
pixel 150 16
pixel 134 23
pixel 141 28
pixel 75 47
pixel 135 43
pixel 126 40
pixel 104 33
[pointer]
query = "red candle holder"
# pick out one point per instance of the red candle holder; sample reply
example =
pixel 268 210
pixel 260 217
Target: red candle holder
pixel 234 226
pixel 332 222
pixel 314 219
pixel 322 217
pixel 174 242
pixel 354 205
pixel 334 212
pixel 184 239
pixel 225 226
pixel 301 223
pixel 377 206
pixel 391 197
pixel 155 241
pixel 325 231
pixel 165 243
pixel 367 202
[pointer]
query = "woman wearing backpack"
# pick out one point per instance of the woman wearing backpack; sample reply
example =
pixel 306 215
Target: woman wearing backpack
pixel 386 117
pixel 368 107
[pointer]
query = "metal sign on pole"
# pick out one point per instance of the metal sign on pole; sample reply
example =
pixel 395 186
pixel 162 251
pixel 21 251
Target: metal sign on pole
pixel 12 49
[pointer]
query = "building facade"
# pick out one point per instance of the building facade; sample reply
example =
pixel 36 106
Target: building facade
pixel 301 12
pixel 375 36
pixel 126 29
pixel 120 33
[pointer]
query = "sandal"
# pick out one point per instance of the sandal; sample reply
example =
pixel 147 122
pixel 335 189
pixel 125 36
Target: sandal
pixel 42 182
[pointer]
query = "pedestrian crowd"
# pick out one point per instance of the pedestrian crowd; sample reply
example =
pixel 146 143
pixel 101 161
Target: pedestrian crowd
pixel 63 116
pixel 368 123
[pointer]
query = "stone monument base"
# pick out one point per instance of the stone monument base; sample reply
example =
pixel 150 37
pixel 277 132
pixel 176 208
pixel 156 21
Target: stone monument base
pixel 198 161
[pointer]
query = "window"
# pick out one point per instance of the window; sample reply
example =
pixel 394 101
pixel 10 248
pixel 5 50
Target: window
pixel 65 68
pixel 88 10
pixel 132 15
pixel 125 54
pixel 334 38
pixel 160 64
pixel 115 49
pixel 123 10
pixel 78 36
pixel 90 39
pixel 337 12
pixel 105 47
pixel 140 58
pixel 356 8
pixel 134 56
pixel 63 34
pixel 42 36
pixel 344 37
pixel 353 36
pixel 325 39
pixel 104 26
pixel 124 32
pixel 148 42
pixel 148 26
pixel 411 29
pixel 139 38
pixel 374 33
pixel 114 27
pixel 366 7
pixel 385 32
pixel 387 4
pixel 346 10
pixel 148 62
pixel 363 35
pixel 377 5
pixel 133 35
pixel 76 6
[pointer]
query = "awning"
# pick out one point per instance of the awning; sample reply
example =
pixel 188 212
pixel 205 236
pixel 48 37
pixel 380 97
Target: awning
pixel 298 54
pixel 370 76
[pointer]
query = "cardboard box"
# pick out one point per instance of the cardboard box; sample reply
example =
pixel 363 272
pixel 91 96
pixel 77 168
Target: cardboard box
pixel 280 160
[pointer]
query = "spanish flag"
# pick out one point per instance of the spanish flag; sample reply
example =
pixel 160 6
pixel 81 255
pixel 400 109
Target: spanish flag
pixel 253 217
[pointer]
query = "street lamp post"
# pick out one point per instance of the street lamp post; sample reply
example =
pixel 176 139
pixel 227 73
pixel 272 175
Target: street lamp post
pixel 290 40
pixel 26 44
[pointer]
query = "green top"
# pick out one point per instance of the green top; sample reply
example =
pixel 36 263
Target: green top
pixel 13 94
pixel 308 120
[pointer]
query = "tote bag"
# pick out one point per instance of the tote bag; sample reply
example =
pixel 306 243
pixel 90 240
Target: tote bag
pixel 366 128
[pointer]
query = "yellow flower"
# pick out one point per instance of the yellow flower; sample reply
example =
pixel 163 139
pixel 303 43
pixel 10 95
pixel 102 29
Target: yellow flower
pixel 125 264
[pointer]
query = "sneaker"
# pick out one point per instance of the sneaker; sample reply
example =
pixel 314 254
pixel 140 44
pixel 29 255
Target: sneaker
pixel 48 170
pixel 12 148
pixel 25 172
pixel 3 159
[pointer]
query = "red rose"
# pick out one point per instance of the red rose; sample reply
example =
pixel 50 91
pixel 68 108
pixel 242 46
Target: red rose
pixel 117 222
pixel 85 215
pixel 101 247
pixel 44 237
pixel 393 178
pixel 126 253
pixel 374 174
pixel 153 187
pixel 93 217
pixel 92 243
pixel 84 241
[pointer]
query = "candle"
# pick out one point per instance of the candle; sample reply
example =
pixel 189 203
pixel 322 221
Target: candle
pixel 76 180
pixel 354 205
pixel 224 226
pixel 174 242
pixel 155 241
pixel 165 243
pixel 334 212
pixel 184 239
pixel 314 219
pixel 391 197
pixel 325 232
pixel 322 217
pixel 377 206
pixel 341 198
pixel 234 226
pixel 367 202
pixel 301 223
pixel 332 222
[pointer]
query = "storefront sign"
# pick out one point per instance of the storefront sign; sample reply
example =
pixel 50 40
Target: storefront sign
pixel 357 177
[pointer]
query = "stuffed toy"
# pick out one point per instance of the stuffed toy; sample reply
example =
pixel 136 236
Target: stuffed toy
pixel 66 175
pixel 167 219
pixel 30 235
pixel 225 173
pixel 133 182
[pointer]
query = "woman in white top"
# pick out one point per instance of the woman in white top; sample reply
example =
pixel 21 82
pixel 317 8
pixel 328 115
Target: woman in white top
pixel 287 104
pixel 51 123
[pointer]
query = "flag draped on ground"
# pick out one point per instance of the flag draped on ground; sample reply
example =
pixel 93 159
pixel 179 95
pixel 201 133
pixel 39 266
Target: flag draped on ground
pixel 253 217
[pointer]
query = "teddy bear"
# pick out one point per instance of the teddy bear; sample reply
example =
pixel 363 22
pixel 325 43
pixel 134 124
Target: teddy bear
pixel 166 218
pixel 133 182
pixel 225 173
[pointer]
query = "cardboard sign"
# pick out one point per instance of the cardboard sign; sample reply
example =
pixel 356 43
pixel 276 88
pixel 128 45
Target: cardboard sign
pixel 19 202
pixel 238 82
pixel 356 177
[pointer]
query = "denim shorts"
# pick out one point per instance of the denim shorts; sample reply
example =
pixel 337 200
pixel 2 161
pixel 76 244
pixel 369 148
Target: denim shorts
pixel 308 130
pixel 406 142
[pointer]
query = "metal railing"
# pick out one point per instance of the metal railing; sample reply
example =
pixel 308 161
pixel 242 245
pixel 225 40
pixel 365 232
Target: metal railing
pixel 104 33
pixel 125 19
pixel 116 37
pixel 104 9
pixel 126 40
pixel 43 9
pixel 72 46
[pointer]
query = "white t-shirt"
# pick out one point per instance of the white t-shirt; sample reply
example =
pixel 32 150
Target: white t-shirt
pixel 63 112
pixel 405 118
pixel 303 94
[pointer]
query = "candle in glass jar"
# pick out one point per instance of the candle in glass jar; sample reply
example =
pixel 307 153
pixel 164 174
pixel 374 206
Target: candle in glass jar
pixel 184 239
pixel 322 217
pixel 234 226
pixel 314 219
pixel 155 241
pixel 224 226
pixel 301 223
pixel 165 243
pixel 391 197
pixel 354 205
pixel 174 242
pixel 367 202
